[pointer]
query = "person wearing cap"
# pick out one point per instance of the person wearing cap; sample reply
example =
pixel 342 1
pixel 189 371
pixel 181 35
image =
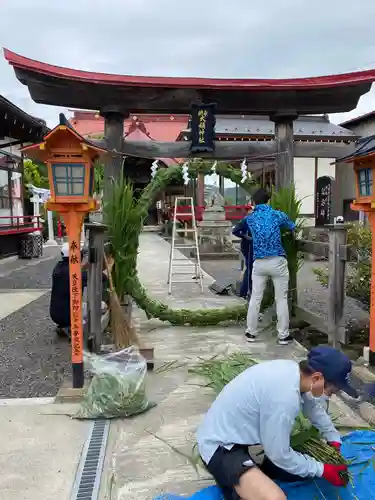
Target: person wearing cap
pixel 241 230
pixel 60 294
pixel 259 407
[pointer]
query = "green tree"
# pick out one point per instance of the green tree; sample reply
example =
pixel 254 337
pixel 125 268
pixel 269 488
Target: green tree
pixel 98 177
pixel 35 174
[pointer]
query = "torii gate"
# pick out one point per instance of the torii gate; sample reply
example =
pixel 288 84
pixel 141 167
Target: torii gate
pixel 117 96
pixel 39 197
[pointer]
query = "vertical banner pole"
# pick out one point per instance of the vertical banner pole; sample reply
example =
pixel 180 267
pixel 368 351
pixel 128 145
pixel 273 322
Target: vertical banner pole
pixel 73 221
pixel 371 216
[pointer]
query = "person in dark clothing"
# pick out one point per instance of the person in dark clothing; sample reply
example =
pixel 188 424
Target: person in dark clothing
pixel 60 294
pixel 241 230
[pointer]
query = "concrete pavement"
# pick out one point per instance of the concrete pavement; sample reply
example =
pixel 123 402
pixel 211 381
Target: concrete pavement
pixel 139 465
pixel 13 300
pixel 40 450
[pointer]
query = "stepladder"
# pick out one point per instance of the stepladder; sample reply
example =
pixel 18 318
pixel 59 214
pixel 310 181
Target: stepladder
pixel 183 269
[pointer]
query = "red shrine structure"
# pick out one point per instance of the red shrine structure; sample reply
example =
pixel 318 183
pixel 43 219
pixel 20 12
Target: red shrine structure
pixel 120 101
pixel 17 129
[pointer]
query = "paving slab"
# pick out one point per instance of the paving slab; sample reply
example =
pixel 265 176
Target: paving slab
pixel 153 260
pixel 40 451
pixel 13 300
pixel 140 464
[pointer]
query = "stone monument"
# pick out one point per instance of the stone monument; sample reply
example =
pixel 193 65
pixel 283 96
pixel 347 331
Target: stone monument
pixel 214 231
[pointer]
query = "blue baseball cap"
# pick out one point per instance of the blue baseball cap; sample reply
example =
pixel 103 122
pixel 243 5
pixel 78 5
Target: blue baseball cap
pixel 335 367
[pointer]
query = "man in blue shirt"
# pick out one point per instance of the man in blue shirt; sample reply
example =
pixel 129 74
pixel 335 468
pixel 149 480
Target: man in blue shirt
pixel 258 409
pixel 241 230
pixel 270 261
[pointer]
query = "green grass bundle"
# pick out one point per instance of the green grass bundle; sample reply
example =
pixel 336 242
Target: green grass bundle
pixel 118 386
pixel 108 396
pixel 220 371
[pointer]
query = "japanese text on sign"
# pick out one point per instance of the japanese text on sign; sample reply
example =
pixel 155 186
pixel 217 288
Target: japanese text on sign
pixel 202 128
pixel 323 201
pixel 202 115
pixel 75 301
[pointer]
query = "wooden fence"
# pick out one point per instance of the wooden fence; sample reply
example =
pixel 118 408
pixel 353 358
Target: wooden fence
pixel 338 253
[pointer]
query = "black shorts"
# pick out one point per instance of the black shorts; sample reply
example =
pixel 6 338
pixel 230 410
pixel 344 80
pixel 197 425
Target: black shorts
pixel 227 467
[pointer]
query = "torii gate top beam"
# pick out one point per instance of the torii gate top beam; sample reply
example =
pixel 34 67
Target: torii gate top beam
pixel 54 85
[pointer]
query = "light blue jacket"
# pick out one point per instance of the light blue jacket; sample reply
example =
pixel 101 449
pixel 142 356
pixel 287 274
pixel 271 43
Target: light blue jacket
pixel 260 407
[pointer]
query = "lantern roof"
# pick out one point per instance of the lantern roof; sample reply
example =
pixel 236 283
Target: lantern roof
pixel 51 84
pixel 38 151
pixel 365 147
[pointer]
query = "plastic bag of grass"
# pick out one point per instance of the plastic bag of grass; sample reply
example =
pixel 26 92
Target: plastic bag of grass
pixel 118 387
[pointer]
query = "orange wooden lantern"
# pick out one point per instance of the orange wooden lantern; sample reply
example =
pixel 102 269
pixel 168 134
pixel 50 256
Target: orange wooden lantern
pixel 364 168
pixel 70 161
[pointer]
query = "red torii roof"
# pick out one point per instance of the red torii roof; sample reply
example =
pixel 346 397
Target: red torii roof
pixel 305 83
pixel 52 84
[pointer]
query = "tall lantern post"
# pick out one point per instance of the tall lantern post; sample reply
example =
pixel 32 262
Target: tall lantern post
pixel 70 162
pixel 364 168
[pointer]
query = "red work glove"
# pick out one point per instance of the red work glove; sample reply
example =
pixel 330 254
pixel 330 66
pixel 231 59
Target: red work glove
pixel 336 445
pixel 332 474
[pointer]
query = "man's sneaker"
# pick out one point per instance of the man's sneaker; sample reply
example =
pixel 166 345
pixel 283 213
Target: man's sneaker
pixel 250 337
pixel 287 340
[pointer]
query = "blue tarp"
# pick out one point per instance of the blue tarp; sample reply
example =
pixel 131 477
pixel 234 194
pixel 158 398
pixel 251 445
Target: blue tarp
pixel 357 446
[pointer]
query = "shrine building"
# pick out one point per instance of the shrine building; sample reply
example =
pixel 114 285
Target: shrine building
pixel 168 128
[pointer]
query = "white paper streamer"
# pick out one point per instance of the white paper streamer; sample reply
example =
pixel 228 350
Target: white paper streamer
pixel 154 168
pixel 244 172
pixel 185 173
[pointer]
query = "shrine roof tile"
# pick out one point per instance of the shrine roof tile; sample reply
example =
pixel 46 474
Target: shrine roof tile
pixel 138 135
pixel 304 126
pixel 365 146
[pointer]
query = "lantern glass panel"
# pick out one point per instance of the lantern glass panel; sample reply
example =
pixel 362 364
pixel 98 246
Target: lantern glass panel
pixel 69 179
pixel 365 181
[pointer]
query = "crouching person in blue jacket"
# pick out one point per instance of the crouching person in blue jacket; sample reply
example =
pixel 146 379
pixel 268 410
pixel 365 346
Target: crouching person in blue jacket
pixel 241 230
pixel 259 408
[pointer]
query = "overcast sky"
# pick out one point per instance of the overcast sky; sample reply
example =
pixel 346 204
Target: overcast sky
pixel 212 38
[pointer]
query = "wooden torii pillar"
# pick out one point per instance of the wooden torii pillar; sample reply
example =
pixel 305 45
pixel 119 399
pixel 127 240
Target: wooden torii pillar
pixel 284 138
pixel 114 140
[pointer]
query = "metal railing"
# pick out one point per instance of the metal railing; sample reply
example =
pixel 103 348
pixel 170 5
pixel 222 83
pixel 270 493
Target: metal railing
pixel 232 212
pixel 13 224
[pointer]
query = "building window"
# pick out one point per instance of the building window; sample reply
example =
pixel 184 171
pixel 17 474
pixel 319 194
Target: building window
pixel 365 182
pixel 5 205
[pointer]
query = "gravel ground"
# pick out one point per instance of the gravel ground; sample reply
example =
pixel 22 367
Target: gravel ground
pixel 33 360
pixel 31 274
pixel 314 297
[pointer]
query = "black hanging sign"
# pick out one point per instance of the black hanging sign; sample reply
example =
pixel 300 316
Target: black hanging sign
pixel 323 200
pixel 203 128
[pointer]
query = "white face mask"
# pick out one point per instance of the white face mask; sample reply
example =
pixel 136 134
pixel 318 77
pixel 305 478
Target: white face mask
pixel 323 397
pixel 322 400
